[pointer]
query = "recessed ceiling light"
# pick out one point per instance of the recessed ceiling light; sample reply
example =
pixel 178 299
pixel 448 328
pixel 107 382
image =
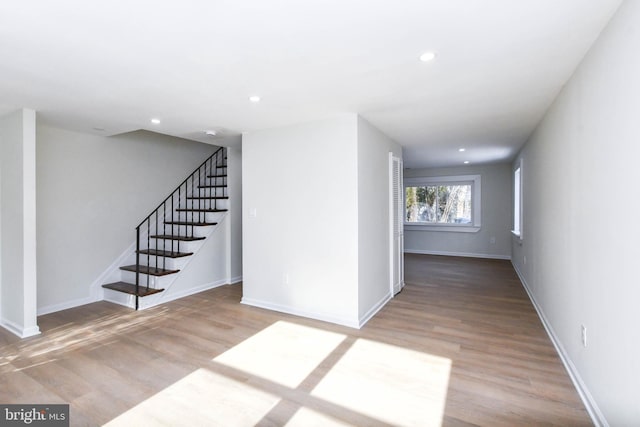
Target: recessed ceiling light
pixel 466 162
pixel 155 121
pixel 210 132
pixel 254 98
pixel 428 56
pixel 462 150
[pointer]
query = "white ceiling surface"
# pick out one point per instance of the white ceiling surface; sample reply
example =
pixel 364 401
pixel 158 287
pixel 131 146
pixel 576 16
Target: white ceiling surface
pixel 194 63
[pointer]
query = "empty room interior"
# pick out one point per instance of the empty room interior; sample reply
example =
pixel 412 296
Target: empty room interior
pixel 319 213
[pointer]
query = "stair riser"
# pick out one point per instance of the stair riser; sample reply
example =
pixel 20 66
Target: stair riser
pixel 119 298
pixel 169 263
pixel 199 216
pixel 184 246
pixel 181 230
pixel 219 191
pixel 156 282
pixel 206 203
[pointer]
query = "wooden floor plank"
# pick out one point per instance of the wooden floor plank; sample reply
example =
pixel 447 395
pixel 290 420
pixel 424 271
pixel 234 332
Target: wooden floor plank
pixel 106 360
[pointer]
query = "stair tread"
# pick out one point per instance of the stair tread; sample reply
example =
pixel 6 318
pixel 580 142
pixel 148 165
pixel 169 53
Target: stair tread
pixel 130 289
pixel 213 186
pixel 194 223
pixel 167 254
pixel 208 197
pixel 200 210
pixel 217 176
pixel 145 269
pixel 176 237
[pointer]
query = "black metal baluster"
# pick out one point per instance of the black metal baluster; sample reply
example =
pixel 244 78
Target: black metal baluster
pixel 148 246
pixel 164 232
pixel 213 191
pixel 137 264
pixel 187 206
pixel 156 235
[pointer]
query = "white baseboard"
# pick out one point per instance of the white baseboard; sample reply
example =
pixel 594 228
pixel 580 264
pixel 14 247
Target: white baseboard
pixel 589 402
pixel 235 280
pixel 18 330
pixel 352 323
pixel 460 254
pixel 373 310
pixel 66 305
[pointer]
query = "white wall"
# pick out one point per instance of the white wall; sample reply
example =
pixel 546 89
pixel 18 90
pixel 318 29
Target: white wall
pixel 318 244
pixel 580 238
pixel 496 201
pixel 234 161
pixel 91 193
pixel 18 222
pixel 301 182
pixel 373 218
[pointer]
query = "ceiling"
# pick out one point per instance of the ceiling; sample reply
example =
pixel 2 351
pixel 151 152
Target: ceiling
pixel 109 67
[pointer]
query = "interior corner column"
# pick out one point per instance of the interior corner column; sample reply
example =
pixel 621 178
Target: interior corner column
pixel 18 281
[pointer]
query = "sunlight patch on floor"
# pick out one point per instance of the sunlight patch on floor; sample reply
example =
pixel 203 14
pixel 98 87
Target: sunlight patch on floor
pixel 388 383
pixel 278 376
pixel 284 353
pixel 306 417
pixel 202 398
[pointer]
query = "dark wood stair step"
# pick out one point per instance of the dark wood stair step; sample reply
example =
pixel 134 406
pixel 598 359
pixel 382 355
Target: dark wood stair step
pixel 152 271
pixel 207 197
pixel 194 223
pixel 130 289
pixel 181 238
pixel 221 166
pixel 217 176
pixel 200 210
pixel 167 254
pixel 213 186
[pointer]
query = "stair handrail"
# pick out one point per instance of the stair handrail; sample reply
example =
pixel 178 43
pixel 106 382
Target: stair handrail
pixel 197 172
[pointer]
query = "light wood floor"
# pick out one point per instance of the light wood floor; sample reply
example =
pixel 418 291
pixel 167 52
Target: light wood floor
pixel 461 345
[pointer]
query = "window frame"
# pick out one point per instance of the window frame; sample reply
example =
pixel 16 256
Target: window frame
pixel 476 202
pixel 517 200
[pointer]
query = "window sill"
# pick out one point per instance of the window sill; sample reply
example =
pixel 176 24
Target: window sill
pixel 447 228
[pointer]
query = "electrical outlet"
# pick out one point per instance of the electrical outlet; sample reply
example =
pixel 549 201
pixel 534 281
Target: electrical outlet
pixel 583 330
pixel 285 278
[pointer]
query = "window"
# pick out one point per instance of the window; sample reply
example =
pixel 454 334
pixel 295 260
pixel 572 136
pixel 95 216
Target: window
pixel 517 201
pixel 443 203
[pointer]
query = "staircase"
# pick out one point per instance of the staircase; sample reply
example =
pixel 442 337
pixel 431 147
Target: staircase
pixel 175 230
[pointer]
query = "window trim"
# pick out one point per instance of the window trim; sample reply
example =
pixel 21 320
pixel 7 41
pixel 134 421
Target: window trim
pixel 476 202
pixel 517 231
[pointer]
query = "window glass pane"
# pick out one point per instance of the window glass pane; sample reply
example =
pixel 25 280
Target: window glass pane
pixel 439 204
pixel 454 204
pixel 429 213
pixel 411 204
pixel 420 204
